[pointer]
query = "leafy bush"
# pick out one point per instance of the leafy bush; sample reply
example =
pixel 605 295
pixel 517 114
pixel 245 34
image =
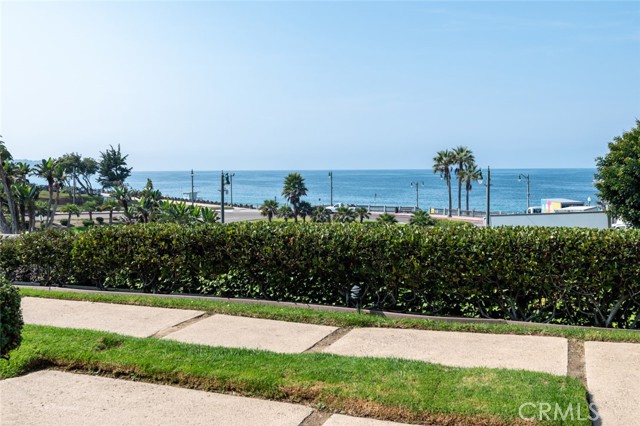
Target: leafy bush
pixel 87 222
pixel 100 220
pixel 561 275
pixel 10 318
pixel 64 222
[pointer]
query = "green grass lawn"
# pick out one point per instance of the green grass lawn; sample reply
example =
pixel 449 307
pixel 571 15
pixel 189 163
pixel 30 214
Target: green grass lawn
pixel 337 319
pixel 391 389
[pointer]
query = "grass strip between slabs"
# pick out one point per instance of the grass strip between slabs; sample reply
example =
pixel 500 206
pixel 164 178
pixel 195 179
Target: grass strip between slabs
pixel 337 319
pixel 391 389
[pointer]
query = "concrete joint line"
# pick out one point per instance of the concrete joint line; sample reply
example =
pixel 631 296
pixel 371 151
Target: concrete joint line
pixel 329 340
pixel 166 331
pixel 576 367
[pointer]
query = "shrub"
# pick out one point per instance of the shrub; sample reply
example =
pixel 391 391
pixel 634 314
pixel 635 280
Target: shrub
pixel 10 318
pixel 87 222
pixel 64 222
pixel 561 275
pixel 100 220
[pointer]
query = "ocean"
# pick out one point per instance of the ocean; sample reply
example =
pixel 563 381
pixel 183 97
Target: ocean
pixel 380 187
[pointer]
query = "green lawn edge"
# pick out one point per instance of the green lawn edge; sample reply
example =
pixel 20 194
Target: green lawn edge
pixel 337 319
pixel 391 389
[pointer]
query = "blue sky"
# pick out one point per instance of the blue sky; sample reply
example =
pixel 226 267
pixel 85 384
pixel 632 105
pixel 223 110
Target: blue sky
pixel 319 85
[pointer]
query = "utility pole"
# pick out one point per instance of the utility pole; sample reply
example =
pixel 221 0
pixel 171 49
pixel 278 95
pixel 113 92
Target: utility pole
pixel 331 188
pixel 222 196
pixel 417 185
pixel 230 176
pixel 488 197
pixel 192 194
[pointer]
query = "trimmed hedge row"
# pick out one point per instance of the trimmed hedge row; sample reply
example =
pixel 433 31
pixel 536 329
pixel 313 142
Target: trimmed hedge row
pixel 560 275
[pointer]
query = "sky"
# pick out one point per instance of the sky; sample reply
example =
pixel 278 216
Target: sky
pixel 319 85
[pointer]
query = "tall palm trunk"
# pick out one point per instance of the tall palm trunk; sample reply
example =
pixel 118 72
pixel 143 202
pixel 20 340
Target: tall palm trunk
pixel 449 188
pixel 55 206
pixel 467 188
pixel 22 208
pixel 460 195
pixel 50 203
pixel 10 202
pixel 4 225
pixel 110 217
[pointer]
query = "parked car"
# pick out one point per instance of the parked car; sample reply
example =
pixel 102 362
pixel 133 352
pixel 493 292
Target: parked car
pixel 335 207
pixel 619 224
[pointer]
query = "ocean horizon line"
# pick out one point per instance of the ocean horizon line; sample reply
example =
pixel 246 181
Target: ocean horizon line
pixel 350 170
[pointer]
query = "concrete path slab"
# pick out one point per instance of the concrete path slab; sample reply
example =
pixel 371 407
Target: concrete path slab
pixel 342 420
pixel 57 398
pixel 137 321
pixel 544 354
pixel 253 333
pixel 613 378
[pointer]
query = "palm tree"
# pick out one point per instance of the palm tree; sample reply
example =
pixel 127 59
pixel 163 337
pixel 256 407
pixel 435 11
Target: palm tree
pixel 59 177
pixel 293 189
pixel 22 170
pixel 46 171
pixel 110 206
pixel 285 212
pixel 149 203
pixel 470 174
pixel 304 210
pixel 463 157
pixel 26 194
pixel 321 214
pixel 6 180
pixel 90 207
pixel 442 163
pixel 362 213
pixel 71 209
pixel 269 209
pixel 344 214
pixel 422 219
pixel 387 219
pixel 123 195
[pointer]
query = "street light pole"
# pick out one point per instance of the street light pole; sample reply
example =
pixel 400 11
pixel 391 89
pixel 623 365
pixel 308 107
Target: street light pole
pixel 231 175
pixel 523 176
pixel 222 196
pixel 488 197
pixel 192 197
pixel 488 184
pixel 417 185
pixel 331 188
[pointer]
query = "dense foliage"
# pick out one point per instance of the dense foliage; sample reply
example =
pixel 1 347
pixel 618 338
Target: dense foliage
pixel 618 177
pixel 559 275
pixel 10 318
pixel 112 167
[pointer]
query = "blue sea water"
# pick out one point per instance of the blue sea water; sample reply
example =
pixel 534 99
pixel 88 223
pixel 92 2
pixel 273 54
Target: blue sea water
pixel 381 187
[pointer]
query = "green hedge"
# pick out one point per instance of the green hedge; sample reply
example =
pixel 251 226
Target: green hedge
pixel 560 275
pixel 10 318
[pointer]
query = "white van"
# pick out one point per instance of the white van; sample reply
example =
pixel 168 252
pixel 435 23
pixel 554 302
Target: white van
pixel 534 210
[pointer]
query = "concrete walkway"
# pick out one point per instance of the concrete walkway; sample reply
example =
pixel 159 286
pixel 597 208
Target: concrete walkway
pixel 612 369
pixel 533 353
pixel 613 378
pixel 54 398
pixel 137 321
